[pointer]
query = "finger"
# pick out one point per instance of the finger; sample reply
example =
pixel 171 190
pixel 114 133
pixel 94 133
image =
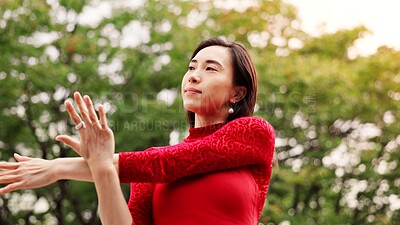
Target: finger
pixel 75 145
pixel 11 187
pixel 9 165
pixel 76 119
pixel 82 107
pixel 8 177
pixel 90 107
pixel 103 118
pixel 21 158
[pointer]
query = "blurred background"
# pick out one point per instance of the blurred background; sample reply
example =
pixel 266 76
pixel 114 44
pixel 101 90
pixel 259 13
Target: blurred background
pixel 331 93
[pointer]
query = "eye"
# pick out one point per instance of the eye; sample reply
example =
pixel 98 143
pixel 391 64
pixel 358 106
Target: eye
pixel 191 68
pixel 211 68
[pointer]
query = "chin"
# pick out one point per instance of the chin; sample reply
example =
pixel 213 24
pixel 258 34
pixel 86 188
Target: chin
pixel 190 107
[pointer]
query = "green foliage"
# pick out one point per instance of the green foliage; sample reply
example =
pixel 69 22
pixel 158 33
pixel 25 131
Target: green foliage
pixel 333 45
pixel 336 118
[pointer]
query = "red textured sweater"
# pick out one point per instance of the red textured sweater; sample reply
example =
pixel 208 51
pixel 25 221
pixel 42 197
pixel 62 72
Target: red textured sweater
pixel 219 174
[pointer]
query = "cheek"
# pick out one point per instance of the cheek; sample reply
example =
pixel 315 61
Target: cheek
pixel 183 84
pixel 217 95
pixel 222 97
pixel 221 89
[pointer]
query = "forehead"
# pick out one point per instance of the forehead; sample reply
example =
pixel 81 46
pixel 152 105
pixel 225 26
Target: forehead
pixel 217 53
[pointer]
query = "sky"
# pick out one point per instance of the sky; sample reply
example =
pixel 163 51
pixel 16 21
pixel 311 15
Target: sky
pixel 382 17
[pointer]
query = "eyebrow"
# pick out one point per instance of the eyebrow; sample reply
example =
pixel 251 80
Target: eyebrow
pixel 211 61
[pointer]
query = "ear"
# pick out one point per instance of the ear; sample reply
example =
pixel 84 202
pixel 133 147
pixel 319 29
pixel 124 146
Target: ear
pixel 239 93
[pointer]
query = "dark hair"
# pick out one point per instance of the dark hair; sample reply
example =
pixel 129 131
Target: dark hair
pixel 244 74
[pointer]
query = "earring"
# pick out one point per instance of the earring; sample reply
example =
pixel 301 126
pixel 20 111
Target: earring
pixel 230 111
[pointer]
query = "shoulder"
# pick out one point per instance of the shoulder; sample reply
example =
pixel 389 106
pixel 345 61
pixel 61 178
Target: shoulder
pixel 250 124
pixel 250 120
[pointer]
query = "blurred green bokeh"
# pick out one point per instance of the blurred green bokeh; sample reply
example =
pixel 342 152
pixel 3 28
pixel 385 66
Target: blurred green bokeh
pixel 336 116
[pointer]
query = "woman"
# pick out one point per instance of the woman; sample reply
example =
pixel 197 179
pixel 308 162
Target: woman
pixel 218 175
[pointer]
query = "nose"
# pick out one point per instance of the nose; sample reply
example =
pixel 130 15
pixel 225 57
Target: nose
pixel 194 78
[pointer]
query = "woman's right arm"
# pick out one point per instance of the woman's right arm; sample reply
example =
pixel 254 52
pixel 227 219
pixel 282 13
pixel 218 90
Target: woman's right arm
pixel 29 173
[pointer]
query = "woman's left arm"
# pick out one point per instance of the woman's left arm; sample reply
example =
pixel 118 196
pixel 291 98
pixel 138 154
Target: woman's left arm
pixel 243 142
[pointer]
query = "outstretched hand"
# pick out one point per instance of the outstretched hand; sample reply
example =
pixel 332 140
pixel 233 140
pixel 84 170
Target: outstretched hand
pixel 26 173
pixel 96 144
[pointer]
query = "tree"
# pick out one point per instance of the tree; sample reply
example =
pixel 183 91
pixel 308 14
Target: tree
pixel 131 57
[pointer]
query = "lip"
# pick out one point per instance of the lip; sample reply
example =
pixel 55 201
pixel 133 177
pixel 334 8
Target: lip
pixel 191 90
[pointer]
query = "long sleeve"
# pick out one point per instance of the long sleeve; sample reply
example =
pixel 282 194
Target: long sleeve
pixel 242 142
pixel 140 203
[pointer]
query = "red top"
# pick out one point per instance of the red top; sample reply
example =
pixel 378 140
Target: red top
pixel 218 175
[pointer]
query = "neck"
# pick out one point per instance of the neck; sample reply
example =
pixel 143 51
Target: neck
pixel 201 121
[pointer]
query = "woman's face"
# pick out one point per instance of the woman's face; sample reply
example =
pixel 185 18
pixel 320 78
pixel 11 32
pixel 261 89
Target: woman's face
pixel 207 86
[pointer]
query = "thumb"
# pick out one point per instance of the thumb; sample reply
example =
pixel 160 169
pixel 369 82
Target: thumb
pixel 75 145
pixel 21 158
